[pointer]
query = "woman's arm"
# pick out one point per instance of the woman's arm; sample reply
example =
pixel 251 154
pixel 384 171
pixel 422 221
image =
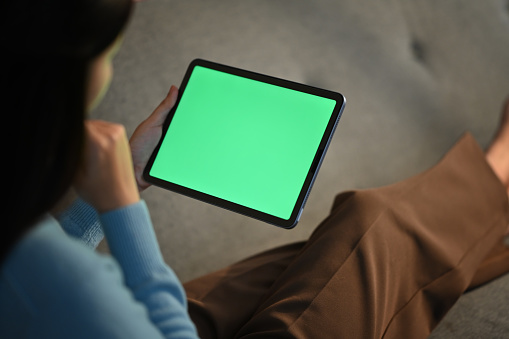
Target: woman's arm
pixel 106 181
pixel 133 243
pixel 79 219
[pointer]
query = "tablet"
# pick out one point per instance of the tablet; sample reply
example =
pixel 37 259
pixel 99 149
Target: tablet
pixel 244 141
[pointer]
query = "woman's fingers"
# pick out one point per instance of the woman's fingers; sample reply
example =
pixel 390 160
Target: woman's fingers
pixel 161 112
pixel 147 135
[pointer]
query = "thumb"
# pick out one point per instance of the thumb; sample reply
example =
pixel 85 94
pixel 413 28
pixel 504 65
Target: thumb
pixel 159 115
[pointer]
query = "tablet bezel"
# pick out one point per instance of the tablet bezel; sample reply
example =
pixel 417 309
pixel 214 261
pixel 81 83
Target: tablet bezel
pixel 312 172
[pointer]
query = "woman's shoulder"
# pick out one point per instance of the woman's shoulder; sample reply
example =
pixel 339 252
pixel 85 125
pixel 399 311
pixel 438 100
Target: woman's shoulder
pixel 50 271
pixel 45 249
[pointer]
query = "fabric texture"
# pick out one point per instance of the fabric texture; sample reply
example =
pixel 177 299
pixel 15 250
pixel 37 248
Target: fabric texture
pixel 54 286
pixel 81 222
pixel 387 262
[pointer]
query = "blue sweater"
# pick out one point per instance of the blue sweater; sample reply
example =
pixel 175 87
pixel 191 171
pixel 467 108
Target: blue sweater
pixel 54 285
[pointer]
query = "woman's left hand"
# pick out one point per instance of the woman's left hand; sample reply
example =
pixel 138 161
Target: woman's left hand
pixel 147 135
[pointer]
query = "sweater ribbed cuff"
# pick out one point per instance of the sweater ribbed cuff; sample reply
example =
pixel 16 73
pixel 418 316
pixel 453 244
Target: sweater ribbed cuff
pixel 81 221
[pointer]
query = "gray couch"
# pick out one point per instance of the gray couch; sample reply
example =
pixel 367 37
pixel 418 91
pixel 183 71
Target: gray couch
pixel 416 75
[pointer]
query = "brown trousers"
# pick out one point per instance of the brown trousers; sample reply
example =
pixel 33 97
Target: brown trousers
pixel 386 263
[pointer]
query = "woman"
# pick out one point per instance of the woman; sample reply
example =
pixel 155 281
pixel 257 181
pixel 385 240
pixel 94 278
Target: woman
pixel 386 262
pixel 52 285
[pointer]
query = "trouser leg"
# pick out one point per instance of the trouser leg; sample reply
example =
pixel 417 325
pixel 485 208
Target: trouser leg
pixel 387 262
pixel 220 303
pixel 493 266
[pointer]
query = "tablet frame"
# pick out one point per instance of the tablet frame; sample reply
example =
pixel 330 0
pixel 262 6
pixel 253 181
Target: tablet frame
pixel 312 172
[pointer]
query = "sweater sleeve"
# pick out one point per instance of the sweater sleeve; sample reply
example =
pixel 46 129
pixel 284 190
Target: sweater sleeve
pixel 132 241
pixel 81 222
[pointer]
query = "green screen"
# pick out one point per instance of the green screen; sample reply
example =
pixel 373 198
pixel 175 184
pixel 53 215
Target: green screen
pixel 243 140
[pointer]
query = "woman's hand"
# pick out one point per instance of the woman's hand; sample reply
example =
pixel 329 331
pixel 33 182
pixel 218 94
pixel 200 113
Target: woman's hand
pixel 106 177
pixel 146 136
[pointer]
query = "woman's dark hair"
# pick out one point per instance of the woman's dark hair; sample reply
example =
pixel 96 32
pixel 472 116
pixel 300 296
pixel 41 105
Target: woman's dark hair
pixel 47 48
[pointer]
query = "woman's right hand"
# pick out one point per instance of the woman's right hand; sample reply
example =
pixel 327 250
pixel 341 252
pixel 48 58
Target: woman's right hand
pixel 106 177
pixel 146 136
